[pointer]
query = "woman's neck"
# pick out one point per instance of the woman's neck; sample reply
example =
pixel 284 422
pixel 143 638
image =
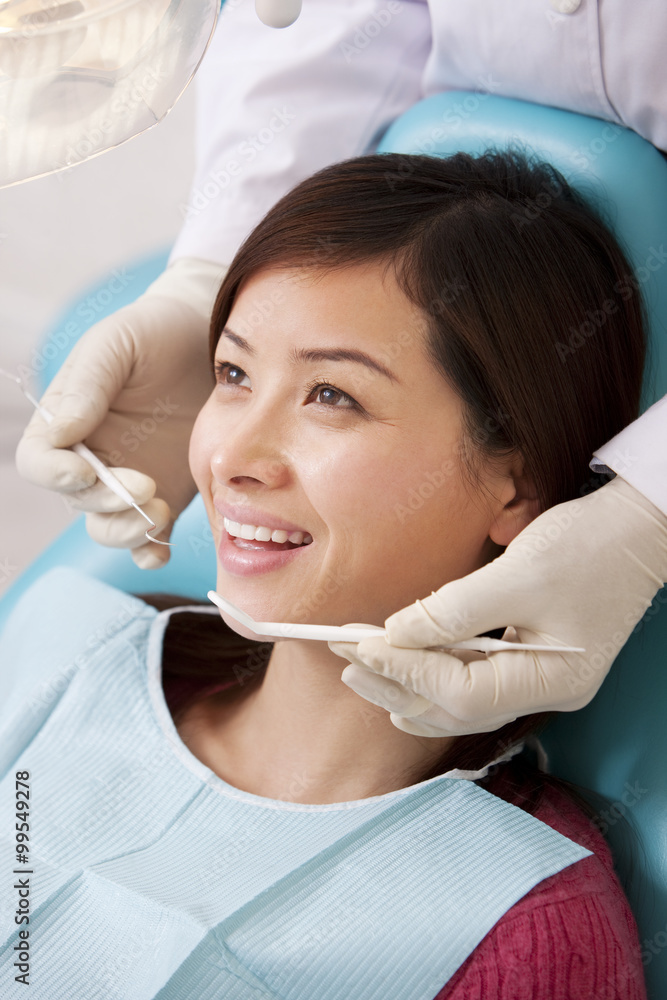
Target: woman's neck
pixel 304 736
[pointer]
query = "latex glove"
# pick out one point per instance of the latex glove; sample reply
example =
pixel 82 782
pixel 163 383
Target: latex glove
pixel 581 574
pixel 131 388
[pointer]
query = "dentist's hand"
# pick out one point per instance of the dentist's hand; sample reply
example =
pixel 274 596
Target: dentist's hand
pixel 581 574
pixel 131 389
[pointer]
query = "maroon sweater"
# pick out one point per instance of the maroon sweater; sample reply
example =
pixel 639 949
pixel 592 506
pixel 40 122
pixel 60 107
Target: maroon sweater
pixel 572 937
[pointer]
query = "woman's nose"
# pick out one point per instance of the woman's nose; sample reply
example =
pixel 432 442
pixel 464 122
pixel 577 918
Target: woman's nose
pixel 255 448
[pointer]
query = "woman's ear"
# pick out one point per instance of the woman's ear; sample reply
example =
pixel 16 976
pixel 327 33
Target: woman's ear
pixel 522 507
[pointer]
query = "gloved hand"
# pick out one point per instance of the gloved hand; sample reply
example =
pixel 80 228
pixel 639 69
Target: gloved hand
pixel 131 388
pixel 581 574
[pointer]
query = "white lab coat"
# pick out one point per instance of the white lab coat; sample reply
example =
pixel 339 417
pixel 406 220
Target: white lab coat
pixel 274 106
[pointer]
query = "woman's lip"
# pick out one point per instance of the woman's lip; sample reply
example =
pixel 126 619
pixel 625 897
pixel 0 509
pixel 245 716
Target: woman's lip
pixel 250 562
pixel 248 515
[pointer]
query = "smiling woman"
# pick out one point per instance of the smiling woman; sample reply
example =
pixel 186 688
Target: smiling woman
pixel 460 294
pixel 391 407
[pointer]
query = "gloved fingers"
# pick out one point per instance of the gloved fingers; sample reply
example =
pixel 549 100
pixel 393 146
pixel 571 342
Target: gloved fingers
pixel 100 498
pixel 447 726
pixel 383 691
pixel 152 556
pixel 127 528
pixel 461 609
pixel 490 687
pixel 415 728
pixel 53 468
pixel 435 721
pixel 418 716
pixel 347 650
pixel 92 375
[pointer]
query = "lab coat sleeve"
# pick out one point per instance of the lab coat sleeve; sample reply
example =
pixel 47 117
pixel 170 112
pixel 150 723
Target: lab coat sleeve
pixel 274 106
pixel 639 454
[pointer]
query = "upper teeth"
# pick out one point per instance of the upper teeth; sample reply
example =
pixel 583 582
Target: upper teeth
pixel 254 532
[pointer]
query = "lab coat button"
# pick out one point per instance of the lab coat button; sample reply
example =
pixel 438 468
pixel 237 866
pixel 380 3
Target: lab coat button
pixel 565 6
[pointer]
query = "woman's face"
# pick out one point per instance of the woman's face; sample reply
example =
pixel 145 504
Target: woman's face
pixel 369 466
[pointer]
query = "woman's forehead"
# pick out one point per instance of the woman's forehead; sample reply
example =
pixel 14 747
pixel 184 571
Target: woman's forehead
pixel 356 301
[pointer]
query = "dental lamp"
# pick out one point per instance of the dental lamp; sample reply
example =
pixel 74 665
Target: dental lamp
pixel 79 77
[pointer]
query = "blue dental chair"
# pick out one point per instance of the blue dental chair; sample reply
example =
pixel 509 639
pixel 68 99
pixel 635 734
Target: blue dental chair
pixel 616 746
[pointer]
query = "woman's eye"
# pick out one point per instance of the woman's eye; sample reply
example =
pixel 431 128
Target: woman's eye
pixel 224 370
pixel 332 393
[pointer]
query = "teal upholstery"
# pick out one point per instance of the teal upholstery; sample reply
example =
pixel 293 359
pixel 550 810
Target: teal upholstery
pixel 617 744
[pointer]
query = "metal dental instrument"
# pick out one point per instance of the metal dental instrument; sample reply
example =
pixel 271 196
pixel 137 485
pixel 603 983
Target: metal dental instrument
pixel 103 471
pixel 345 633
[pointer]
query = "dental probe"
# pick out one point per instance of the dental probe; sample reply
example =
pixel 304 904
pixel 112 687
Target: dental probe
pixel 345 633
pixel 104 472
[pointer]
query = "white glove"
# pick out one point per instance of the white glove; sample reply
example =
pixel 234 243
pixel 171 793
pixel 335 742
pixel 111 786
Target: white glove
pixel 131 388
pixel 581 574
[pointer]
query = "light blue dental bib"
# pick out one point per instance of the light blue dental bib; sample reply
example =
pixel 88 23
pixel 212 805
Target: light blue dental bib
pixel 153 879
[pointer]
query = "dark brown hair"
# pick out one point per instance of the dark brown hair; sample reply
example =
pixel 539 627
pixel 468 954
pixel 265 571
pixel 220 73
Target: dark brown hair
pixel 533 318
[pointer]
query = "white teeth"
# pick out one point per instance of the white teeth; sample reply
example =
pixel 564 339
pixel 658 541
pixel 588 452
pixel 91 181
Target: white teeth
pixel 257 533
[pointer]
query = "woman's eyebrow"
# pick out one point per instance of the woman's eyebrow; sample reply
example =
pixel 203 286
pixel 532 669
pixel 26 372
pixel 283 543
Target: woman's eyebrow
pixel 302 354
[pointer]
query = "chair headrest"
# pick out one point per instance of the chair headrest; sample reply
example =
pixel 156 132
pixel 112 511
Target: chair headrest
pixel 618 172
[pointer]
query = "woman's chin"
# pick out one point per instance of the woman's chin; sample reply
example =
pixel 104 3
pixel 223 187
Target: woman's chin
pixel 243 630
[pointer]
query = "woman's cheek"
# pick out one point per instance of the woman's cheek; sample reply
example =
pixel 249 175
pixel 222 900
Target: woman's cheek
pixel 198 452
